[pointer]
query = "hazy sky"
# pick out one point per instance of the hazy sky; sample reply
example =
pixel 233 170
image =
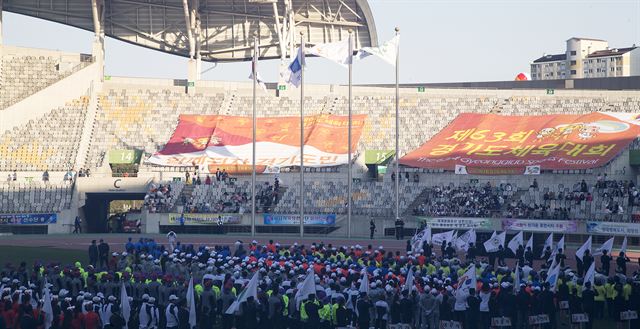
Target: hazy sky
pixel 442 40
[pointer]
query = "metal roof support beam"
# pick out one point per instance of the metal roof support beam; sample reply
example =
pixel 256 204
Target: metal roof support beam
pixel 97 13
pixel 0 22
pixel 192 21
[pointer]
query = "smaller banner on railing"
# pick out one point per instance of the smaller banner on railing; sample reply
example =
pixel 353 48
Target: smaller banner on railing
pixel 457 222
pixel 204 219
pixel 531 225
pixel 613 228
pixel 28 219
pixel 271 219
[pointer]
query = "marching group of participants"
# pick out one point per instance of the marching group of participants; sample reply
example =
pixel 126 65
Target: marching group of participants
pixel 321 286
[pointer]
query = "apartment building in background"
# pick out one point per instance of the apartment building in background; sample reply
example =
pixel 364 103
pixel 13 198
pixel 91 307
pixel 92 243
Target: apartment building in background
pixel 587 58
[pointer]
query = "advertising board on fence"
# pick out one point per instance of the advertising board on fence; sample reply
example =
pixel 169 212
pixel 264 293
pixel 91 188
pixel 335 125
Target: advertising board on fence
pixel 28 219
pixel 529 225
pixel 457 222
pixel 205 219
pixel 613 228
pixel 272 219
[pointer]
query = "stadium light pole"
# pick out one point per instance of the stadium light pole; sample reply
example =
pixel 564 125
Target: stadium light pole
pixel 397 130
pixel 254 73
pixel 349 167
pixel 302 64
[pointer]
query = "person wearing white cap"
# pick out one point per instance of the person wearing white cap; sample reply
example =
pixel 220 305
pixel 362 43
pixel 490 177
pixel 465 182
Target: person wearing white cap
pixel 171 313
pixel 172 237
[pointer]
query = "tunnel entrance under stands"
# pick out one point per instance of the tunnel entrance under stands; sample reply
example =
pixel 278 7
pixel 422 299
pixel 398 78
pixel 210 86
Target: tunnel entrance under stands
pixel 96 210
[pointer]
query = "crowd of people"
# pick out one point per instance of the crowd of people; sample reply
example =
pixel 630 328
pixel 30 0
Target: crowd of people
pixel 236 202
pixel 464 201
pixel 159 198
pixel 294 286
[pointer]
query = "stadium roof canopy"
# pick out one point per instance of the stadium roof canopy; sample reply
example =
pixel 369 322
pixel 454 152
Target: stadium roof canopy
pixel 218 30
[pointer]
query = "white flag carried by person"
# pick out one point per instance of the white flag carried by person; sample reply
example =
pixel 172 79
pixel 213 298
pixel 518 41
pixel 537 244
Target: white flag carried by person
pixel 463 242
pixel 250 290
pixel 559 246
pixel 47 309
pixel 125 306
pixel 529 244
pixel 408 283
pixel 467 280
pixel 590 276
pixel 607 245
pixel 552 277
pixel 624 246
pixel 295 69
pixel 191 303
pixel 438 238
pixel 308 286
pixel 388 51
pixel 547 243
pixel 516 241
pixel 494 243
pixel 335 51
pixel 419 239
pixel 585 246
pixel 364 283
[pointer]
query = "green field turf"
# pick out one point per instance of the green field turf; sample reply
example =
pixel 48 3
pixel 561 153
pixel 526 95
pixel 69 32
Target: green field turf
pixel 16 255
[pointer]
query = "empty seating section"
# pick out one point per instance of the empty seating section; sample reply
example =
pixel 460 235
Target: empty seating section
pixel 25 75
pixel 34 198
pixel 49 143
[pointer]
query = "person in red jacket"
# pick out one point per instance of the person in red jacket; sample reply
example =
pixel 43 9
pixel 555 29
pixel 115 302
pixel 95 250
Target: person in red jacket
pixel 9 314
pixel 91 318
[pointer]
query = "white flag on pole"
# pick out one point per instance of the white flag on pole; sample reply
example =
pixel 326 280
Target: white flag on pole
pixel 516 241
pixel 585 246
pixel 607 245
pixel 438 238
pixel 125 306
pixel 547 243
pixel 624 246
pixel 48 310
pixel 467 280
pixel 559 246
pixel 295 70
pixel 335 51
pixel 364 283
pixel 420 238
pixel 552 277
pixel 408 283
pixel 191 303
pixel 308 286
pixel 463 241
pixel 529 244
pixel 497 240
pixel 250 290
pixel 591 274
pixel 388 51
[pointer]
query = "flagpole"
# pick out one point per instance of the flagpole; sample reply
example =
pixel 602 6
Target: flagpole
pixel 349 167
pixel 302 63
pixel 253 140
pixel 397 130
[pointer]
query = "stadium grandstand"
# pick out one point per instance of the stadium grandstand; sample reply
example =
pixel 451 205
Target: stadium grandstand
pixel 73 140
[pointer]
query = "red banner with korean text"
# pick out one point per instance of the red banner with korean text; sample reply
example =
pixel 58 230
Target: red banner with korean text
pixel 226 141
pixel 496 144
